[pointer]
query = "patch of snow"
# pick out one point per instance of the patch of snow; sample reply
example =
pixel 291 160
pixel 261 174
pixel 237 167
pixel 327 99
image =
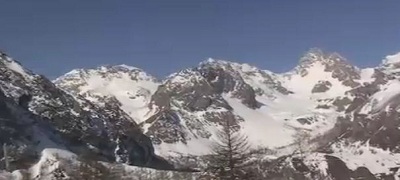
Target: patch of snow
pixel 366 75
pixel 4 175
pixel 17 68
pixel 317 160
pixel 367 108
pixel 303 85
pixel 375 159
pixel 49 161
pixel 260 127
pixel 72 73
pixel 198 147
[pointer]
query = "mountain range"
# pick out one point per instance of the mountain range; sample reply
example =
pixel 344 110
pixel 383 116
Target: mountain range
pixel 121 114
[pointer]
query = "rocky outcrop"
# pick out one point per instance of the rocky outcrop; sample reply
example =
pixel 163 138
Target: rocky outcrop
pixel 321 87
pixel 294 167
pixel 229 81
pixel 189 91
pixel 19 133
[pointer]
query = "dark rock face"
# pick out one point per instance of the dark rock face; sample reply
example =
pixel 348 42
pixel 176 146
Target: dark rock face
pixel 166 128
pixel 24 100
pixel 363 173
pixel 381 130
pixel 337 168
pixel 18 131
pixel 381 77
pixel 361 95
pixel 299 165
pixel 341 103
pixel 297 169
pixel 305 120
pixel 380 126
pixel 200 91
pixel 224 81
pixel 343 71
pixel 321 87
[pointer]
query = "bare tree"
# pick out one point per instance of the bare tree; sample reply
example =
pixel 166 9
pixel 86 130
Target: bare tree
pixel 228 161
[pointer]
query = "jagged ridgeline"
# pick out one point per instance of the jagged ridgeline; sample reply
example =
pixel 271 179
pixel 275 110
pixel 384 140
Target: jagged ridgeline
pixel 323 119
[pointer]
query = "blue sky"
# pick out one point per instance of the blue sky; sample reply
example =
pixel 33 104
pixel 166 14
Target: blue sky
pixel 52 37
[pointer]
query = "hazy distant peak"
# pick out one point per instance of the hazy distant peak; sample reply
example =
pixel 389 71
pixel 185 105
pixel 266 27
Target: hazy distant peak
pixel 318 55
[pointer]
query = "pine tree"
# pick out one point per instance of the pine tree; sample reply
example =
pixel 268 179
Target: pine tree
pixel 228 161
pixel 301 141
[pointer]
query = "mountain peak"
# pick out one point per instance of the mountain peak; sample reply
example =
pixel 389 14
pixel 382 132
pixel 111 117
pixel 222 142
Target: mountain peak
pixel 317 64
pixel 318 55
pixel 218 62
pixel 13 65
pixel 229 65
pixel 119 67
pixel 108 70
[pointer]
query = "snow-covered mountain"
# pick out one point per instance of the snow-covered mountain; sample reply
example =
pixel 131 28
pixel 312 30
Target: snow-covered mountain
pixel 126 87
pixel 324 95
pixel 351 113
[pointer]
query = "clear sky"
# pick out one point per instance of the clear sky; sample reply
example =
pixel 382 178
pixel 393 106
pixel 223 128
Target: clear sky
pixel 52 37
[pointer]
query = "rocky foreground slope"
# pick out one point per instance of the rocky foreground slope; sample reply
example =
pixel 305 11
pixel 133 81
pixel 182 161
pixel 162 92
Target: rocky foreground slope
pixel 36 115
pixel 350 114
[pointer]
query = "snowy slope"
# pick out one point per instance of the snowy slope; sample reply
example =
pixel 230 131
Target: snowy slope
pixel 286 104
pixel 260 126
pixel 130 86
pixel 303 85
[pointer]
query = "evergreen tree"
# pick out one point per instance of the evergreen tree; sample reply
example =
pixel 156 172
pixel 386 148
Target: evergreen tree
pixel 228 161
pixel 301 141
